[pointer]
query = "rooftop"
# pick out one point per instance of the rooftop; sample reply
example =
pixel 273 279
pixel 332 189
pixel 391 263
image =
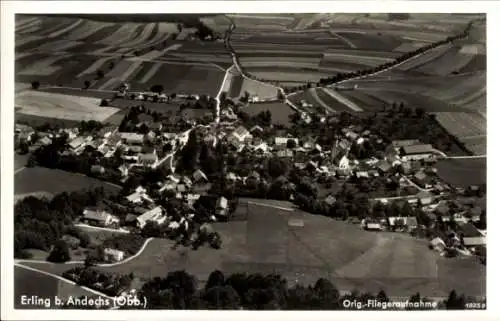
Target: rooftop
pixel 417 149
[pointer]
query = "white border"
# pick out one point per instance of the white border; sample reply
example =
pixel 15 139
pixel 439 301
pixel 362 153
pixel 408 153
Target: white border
pixel 9 8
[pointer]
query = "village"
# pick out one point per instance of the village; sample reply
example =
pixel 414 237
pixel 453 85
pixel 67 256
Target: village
pixel 257 162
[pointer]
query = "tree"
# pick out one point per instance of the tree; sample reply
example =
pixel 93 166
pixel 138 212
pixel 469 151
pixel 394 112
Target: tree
pixel 35 85
pixel 222 297
pixel 291 143
pixel 455 302
pixel 216 278
pixel 86 84
pixel 99 74
pixel 157 89
pixel 60 252
pixel 104 103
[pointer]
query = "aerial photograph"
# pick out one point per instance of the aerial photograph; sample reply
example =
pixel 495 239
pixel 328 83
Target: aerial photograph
pixel 285 161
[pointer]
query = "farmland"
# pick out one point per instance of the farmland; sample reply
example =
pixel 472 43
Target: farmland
pixel 30 283
pixel 37 103
pixel 463 172
pixel 269 242
pixel 53 181
pixel 280 112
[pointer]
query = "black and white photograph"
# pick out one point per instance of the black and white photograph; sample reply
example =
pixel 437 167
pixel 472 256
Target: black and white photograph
pixel 248 161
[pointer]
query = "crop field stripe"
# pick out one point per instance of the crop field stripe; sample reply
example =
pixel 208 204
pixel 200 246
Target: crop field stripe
pixel 110 84
pixel 58 45
pixel 36 22
pixel 425 58
pixel 32 29
pixel 85 31
pixel 347 41
pixel 152 71
pixel 96 65
pixel 125 33
pixel 68 29
pixel 24 21
pixel 130 36
pixel 143 34
pixel 341 99
pixel 46 67
pixel 103 31
pixel 133 68
pixel 54 25
pixel 153 55
pixel 23 40
pixel 314 94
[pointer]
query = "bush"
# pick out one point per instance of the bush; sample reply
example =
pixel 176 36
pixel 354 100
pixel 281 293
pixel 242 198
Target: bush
pixel 104 103
pixel 35 85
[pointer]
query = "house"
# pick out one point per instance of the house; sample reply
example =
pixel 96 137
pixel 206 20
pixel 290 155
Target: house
pixel 72 241
pixel 344 163
pixel 383 167
pixel 199 176
pixel 98 218
pixel 97 169
pixel 44 141
pixel 77 143
pixel 437 244
pixel 239 136
pixel 362 174
pixel 256 130
pixel 107 131
pixel 330 200
pixel 231 176
pixel 422 180
pixel 132 138
pixel 471 236
pixel 123 170
pixel 285 153
pixel 139 195
pixel 155 214
pixel 149 159
pixel 283 141
pixel 373 226
pixel 406 168
pixel 221 207
pixel 113 255
pixel 187 181
pixel 416 152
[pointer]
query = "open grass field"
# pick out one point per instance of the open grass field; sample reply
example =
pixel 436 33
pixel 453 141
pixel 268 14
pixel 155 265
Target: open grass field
pixel 304 247
pixel 372 41
pixel 262 90
pixel 35 121
pixel 54 181
pixel 37 103
pixel 31 283
pixel 280 112
pixel 469 128
pixel 463 172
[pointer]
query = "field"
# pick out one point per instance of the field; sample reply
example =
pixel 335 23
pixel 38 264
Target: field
pixel 37 103
pixel 53 181
pixel 469 128
pixel 463 172
pixel 30 283
pixel 270 241
pixel 280 112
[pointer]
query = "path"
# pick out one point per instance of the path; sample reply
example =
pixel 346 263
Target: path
pixel 315 95
pixel 100 228
pixel 347 41
pixel 19 170
pixel 466 157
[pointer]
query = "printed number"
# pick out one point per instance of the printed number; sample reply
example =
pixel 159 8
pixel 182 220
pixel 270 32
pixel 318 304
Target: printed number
pixel 475 306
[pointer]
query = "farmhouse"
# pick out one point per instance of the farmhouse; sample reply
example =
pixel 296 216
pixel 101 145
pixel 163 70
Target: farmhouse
pixel 471 236
pixel 283 141
pixel 113 255
pixel 239 136
pixel 77 143
pixel 416 152
pixel 98 218
pixel 156 214
pixel 132 138
pixel 221 207
pixel 199 176
pixel 149 159
pixel 437 244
